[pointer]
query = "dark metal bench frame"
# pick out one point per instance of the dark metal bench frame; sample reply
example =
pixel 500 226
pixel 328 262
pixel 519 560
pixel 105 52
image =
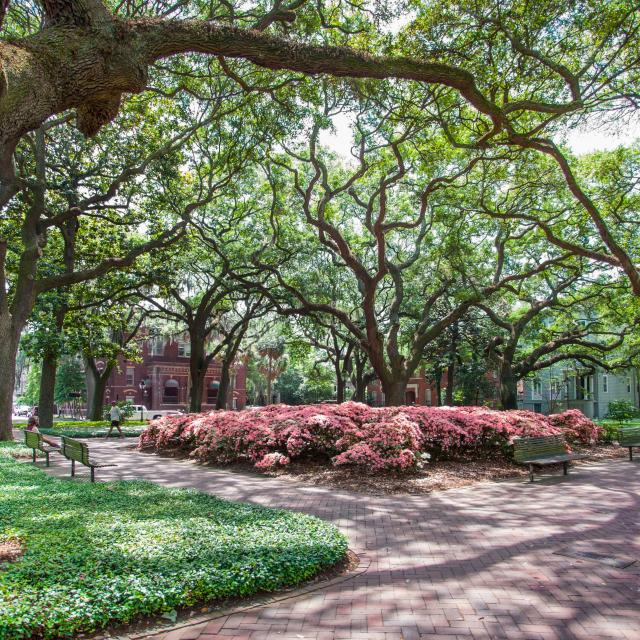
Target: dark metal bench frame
pixel 77 451
pixel 542 451
pixel 34 440
pixel 629 436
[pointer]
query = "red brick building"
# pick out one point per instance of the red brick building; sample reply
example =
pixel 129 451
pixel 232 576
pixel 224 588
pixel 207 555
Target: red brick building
pixel 419 391
pixel 162 379
pixel 423 392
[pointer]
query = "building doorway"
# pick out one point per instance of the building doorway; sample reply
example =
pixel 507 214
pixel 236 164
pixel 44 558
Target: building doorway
pixel 171 392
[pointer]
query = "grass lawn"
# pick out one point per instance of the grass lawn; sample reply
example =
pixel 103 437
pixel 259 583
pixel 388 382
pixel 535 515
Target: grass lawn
pixel 130 429
pixel 611 427
pixel 95 554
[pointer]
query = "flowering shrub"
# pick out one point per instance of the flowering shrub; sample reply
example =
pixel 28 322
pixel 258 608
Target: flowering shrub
pixel 390 438
pixel 273 460
pixel 576 426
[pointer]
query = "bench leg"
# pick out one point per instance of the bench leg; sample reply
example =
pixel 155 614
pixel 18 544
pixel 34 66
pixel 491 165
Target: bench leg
pixel 73 468
pixel 530 473
pixel 631 454
pixel 565 466
pixel 46 454
pixel 34 454
pixel 93 477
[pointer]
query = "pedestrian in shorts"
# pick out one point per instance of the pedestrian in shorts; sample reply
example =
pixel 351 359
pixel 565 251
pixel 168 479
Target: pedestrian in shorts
pixel 116 418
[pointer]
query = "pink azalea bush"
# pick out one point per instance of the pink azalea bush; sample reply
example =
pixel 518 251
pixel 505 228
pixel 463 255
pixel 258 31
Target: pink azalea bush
pixel 376 439
pixel 576 426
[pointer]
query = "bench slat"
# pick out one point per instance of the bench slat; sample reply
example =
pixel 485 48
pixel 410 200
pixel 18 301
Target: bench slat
pixel 553 459
pixel 543 450
pixel 629 436
pixel 77 451
pixel 538 447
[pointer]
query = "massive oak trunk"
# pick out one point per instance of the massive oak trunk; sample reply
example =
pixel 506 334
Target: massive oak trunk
pixel 437 378
pixel 96 386
pixel 340 389
pixel 358 377
pixel 508 388
pixel 95 400
pixel 198 365
pixel 395 391
pixel 8 354
pixel 46 399
pixel 222 401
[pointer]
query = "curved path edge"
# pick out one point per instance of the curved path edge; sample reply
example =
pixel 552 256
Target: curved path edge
pixel 255 602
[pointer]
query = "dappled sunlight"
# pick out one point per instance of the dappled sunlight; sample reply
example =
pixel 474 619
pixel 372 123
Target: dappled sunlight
pixel 108 552
pixel 482 558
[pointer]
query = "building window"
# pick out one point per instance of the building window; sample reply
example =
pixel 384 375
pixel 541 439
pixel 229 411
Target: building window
pixel 184 349
pixel 130 376
pixel 605 383
pixel 171 389
pixel 157 346
pixel 584 386
pixel 537 388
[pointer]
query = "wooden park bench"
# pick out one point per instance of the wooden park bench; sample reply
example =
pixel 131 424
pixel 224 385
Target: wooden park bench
pixel 77 451
pixel 34 440
pixel 629 437
pixel 541 451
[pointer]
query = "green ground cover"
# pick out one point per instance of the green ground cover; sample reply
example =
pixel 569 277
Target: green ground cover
pixel 96 554
pixel 86 429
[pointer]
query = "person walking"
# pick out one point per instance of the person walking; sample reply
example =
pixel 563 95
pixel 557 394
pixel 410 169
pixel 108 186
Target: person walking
pixel 116 417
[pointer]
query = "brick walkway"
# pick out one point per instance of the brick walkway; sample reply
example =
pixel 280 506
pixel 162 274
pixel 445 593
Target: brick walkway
pixel 480 562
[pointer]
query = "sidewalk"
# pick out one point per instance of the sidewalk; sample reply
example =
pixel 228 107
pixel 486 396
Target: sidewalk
pixel 479 562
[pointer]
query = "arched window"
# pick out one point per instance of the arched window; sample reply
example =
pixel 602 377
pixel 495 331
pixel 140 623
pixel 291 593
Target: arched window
pixel 170 395
pixel 212 392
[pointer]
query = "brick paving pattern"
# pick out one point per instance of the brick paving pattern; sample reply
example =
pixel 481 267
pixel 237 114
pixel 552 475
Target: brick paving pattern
pixel 469 563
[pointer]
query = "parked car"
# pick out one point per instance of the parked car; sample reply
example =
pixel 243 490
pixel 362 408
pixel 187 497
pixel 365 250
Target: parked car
pixel 21 410
pixel 140 412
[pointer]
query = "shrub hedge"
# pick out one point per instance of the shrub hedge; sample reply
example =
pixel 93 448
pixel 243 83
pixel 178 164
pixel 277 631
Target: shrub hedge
pixel 96 554
pixel 354 434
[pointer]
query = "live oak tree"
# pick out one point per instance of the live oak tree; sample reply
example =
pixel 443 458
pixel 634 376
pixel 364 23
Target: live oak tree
pixel 92 195
pixel 567 316
pixel 394 225
pixel 498 75
pixel 104 334
pixel 336 346
pixel 69 200
pixel 520 68
pixel 204 285
pixel 531 190
pixel 201 301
